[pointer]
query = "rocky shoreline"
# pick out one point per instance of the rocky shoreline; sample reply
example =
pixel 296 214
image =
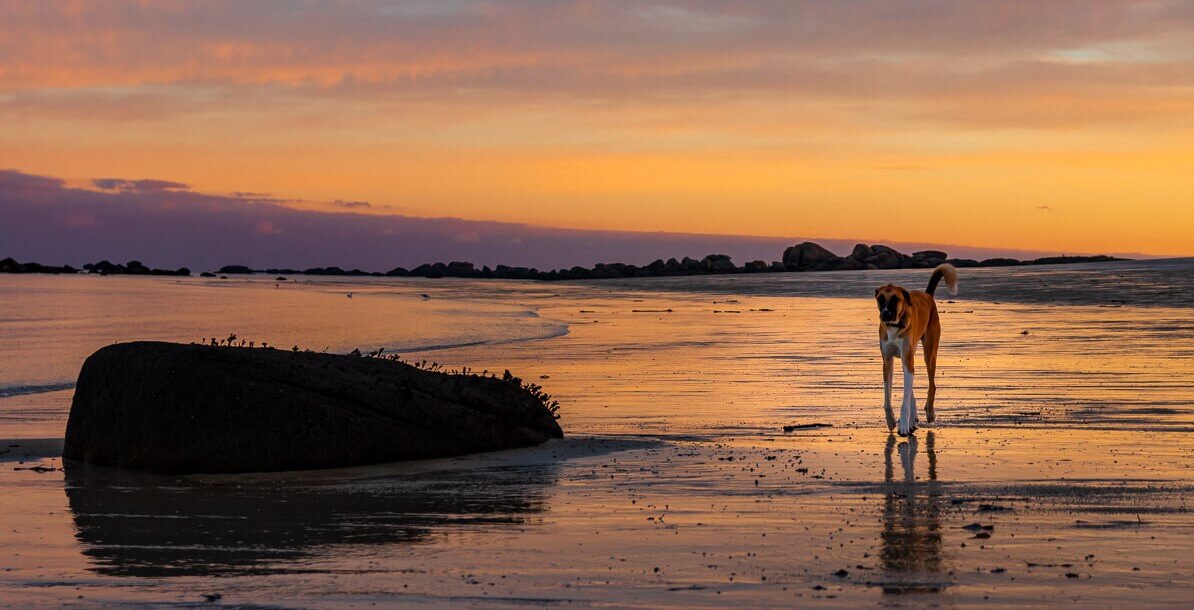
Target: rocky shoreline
pixel 9 265
pixel 806 256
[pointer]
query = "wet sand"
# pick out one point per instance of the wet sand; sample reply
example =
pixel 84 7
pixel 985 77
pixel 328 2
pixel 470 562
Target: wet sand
pixel 1058 474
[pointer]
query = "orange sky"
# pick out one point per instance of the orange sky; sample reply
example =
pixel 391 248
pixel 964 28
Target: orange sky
pixel 1034 125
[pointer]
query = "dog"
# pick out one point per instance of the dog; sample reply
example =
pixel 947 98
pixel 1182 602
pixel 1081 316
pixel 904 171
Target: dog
pixel 905 319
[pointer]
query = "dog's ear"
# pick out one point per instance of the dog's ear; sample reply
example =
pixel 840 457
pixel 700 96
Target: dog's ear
pixel 907 297
pixel 877 293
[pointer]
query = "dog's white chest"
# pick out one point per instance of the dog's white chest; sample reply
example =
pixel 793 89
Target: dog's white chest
pixel 893 343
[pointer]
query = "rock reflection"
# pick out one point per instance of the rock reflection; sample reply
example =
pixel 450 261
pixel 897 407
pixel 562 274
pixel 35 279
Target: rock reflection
pixel 144 526
pixel 911 536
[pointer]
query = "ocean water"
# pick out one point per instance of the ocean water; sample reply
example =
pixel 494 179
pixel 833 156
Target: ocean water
pixel 1151 283
pixel 49 324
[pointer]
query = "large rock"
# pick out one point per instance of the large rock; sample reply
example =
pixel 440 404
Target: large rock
pixel 173 408
pixel 718 263
pixel 861 252
pixel 755 267
pixel 931 255
pixel 885 257
pixel 808 256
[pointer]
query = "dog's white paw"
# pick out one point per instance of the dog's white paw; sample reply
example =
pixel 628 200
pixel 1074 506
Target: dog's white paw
pixel 907 425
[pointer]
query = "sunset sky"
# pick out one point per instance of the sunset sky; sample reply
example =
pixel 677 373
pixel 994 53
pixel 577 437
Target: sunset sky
pixel 1037 125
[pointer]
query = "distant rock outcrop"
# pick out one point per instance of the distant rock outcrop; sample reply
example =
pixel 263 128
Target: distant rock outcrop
pixel 131 268
pixel 173 408
pixel 806 256
pixel 10 265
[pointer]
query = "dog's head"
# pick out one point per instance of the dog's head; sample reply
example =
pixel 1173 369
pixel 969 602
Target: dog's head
pixel 893 301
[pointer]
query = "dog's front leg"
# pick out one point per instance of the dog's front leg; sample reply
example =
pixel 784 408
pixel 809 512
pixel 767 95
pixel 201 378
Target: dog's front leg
pixel 908 419
pixel 888 366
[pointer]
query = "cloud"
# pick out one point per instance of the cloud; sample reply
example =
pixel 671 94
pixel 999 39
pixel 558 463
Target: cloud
pixel 127 59
pixel 138 186
pixel 49 222
pixel 340 203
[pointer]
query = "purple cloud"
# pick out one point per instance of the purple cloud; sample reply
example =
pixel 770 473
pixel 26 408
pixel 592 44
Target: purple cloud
pixel 162 223
pixel 140 186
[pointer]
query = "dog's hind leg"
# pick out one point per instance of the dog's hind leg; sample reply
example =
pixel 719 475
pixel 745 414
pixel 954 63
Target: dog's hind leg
pixel 931 340
pixel 888 366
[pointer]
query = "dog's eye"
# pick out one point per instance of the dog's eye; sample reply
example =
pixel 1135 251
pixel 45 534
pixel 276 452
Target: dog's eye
pixel 880 298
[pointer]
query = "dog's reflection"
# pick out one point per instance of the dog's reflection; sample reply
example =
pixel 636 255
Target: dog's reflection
pixel 911 537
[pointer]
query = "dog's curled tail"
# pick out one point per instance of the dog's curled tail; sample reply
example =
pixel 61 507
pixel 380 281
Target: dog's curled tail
pixel 947 271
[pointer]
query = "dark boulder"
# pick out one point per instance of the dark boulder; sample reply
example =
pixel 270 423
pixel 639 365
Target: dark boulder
pixel 10 265
pixel 885 260
pixel 841 264
pixel 963 262
pixel 608 270
pixel 718 263
pixel 861 252
pixel 691 265
pixel 808 256
pixel 132 268
pixel 326 271
pixel 1062 260
pixel 930 255
pixel 884 257
pixel 461 269
pixel 173 408
pixel 243 269
pixel 1000 262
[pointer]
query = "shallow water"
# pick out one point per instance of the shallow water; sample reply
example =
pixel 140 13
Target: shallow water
pixel 677 485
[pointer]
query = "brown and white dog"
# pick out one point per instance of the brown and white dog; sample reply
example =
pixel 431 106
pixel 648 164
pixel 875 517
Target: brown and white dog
pixel 905 319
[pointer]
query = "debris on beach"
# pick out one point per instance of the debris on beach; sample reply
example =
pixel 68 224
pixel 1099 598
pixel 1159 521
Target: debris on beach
pixel 38 469
pixel 794 427
pixel 995 508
